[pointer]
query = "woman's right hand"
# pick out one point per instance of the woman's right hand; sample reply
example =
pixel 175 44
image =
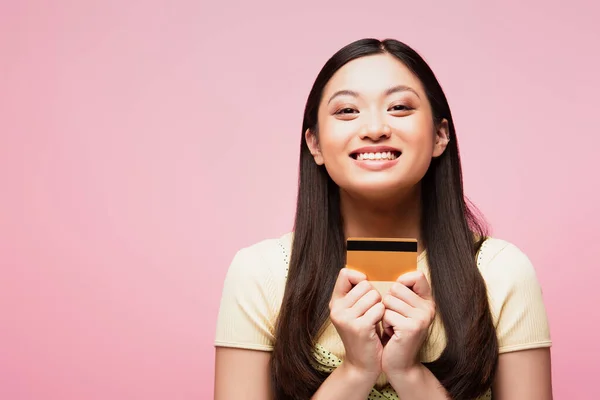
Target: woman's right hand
pixel 355 310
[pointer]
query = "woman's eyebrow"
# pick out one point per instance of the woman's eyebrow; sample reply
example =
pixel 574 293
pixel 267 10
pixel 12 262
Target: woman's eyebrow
pixel 343 93
pixel 401 88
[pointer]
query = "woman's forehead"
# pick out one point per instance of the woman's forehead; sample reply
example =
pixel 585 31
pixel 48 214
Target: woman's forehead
pixel 372 76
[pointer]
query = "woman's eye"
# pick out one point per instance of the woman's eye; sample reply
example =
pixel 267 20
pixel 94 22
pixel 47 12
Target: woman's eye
pixel 346 111
pixel 400 107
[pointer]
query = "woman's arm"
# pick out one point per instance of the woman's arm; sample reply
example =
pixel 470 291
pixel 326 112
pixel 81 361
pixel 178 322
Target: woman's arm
pixel 346 383
pixel 522 324
pixel 242 374
pixel 418 383
pixel 521 375
pixel 524 375
pixel 245 374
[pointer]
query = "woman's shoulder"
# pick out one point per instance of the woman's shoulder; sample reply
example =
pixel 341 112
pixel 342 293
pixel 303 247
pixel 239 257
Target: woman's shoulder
pixel 269 256
pixel 509 275
pixel 499 258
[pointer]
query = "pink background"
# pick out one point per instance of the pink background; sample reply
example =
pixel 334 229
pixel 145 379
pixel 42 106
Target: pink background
pixel 143 142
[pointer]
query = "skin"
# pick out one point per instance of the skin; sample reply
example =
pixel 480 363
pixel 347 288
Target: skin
pixel 358 109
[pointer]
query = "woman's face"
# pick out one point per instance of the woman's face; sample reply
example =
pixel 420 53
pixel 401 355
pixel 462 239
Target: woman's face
pixel 376 135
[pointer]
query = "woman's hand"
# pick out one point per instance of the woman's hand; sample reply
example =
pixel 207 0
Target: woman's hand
pixel 409 311
pixel 355 311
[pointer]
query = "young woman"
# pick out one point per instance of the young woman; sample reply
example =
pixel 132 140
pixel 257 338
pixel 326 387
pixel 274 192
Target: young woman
pixel 379 158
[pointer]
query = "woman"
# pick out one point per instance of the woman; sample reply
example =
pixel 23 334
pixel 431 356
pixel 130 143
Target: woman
pixel 379 158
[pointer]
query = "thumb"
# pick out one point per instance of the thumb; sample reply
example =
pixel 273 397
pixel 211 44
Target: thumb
pixel 417 281
pixel 347 278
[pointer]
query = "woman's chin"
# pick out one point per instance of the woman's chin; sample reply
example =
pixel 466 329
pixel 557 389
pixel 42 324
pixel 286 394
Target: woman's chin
pixel 380 191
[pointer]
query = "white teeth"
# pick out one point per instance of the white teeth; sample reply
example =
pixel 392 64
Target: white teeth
pixel 388 155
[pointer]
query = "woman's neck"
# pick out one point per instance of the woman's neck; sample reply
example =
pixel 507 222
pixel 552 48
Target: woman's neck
pixel 397 219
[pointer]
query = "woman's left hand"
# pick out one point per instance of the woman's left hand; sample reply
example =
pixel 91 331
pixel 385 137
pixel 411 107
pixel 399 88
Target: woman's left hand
pixel 410 310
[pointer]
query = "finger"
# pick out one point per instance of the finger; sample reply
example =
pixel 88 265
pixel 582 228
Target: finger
pixel 388 330
pixel 355 294
pixel 417 281
pixel 365 303
pixel 392 319
pixel 404 293
pixel 355 276
pixel 373 314
pixel 346 279
pixel 395 304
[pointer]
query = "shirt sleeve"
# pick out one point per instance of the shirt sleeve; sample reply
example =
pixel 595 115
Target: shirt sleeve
pixel 245 318
pixel 516 301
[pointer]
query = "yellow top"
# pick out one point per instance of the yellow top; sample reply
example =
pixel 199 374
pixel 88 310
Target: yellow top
pixel 255 282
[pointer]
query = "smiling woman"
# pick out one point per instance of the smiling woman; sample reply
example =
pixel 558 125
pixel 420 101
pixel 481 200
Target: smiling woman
pixel 379 158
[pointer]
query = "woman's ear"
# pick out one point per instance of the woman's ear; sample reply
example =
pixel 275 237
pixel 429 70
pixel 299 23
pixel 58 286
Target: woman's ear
pixel 442 137
pixel 313 146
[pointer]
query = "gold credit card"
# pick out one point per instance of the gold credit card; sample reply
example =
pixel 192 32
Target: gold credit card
pixel 381 259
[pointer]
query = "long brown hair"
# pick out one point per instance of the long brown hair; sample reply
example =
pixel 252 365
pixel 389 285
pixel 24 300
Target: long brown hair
pixel 451 232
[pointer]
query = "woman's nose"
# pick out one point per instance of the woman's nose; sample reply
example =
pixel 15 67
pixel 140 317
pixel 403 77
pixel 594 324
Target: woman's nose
pixel 376 129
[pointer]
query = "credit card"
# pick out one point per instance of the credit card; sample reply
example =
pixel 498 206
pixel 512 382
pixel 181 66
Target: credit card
pixel 381 259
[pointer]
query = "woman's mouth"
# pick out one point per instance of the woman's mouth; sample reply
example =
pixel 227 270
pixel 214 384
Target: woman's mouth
pixel 376 156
